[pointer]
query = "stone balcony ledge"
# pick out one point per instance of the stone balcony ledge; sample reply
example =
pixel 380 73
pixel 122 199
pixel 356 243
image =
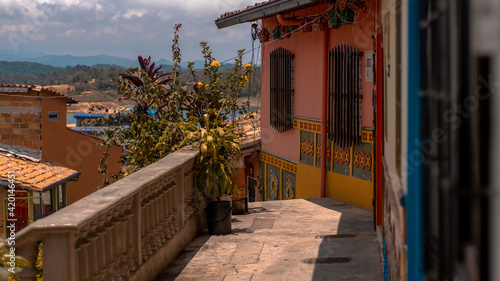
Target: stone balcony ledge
pixel 128 230
pixel 102 200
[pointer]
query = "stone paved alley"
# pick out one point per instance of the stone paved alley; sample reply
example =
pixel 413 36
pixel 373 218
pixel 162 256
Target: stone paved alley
pixel 303 239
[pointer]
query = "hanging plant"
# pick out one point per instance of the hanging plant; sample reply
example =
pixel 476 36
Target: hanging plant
pixel 306 28
pixel 335 21
pixel 277 32
pixel 347 16
pixel 284 32
pixel 319 25
pixel 344 12
pixel 264 35
pixel 293 28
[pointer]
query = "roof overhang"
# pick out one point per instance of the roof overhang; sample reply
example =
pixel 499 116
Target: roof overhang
pixel 33 175
pixel 14 88
pixel 48 187
pixel 261 11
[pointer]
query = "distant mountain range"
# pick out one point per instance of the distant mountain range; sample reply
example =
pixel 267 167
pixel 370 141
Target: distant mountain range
pixel 69 60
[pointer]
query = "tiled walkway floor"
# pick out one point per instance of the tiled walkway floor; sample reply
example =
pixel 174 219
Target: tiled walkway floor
pixel 313 239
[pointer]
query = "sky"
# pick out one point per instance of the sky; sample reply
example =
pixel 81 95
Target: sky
pixel 123 28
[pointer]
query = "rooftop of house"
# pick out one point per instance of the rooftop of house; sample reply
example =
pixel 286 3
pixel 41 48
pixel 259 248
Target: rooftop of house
pixel 261 10
pixel 249 129
pixel 31 174
pixel 16 88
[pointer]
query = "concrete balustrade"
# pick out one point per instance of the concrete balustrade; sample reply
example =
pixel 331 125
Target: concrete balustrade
pixel 129 230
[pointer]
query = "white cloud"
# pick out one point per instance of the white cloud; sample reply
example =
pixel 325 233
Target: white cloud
pixel 116 17
pixel 71 32
pixel 8 28
pixel 39 37
pixel 109 30
pixel 134 13
pixel 99 10
pixel 123 27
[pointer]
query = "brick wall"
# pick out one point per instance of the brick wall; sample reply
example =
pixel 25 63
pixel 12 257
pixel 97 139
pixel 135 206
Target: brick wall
pixel 20 121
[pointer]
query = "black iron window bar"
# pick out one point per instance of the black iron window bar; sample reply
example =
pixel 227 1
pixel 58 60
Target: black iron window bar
pixel 344 95
pixel 282 89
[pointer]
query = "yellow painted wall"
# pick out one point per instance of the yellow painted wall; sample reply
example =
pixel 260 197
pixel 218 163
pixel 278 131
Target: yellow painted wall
pixel 308 180
pixel 350 190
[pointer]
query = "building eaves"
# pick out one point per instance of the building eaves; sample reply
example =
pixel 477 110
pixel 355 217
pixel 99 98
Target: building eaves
pixel 56 93
pixel 249 131
pixel 33 175
pixel 260 11
pixel 40 89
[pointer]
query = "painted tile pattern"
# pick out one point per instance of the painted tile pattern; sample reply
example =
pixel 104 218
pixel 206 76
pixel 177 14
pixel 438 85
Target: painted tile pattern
pixel 288 186
pixel 328 153
pixel 362 160
pixel 273 182
pixel 280 177
pixel 278 162
pixel 307 148
pixel 367 136
pixel 307 125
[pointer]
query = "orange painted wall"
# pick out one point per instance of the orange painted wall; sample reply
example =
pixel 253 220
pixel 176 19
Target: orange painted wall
pixel 309 59
pixel 253 159
pixel 68 148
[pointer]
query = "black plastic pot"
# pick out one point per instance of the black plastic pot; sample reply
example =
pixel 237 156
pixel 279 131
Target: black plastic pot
pixel 219 217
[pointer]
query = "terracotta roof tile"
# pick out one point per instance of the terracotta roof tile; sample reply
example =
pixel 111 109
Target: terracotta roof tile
pixel 244 9
pixel 249 128
pixel 41 89
pixel 33 175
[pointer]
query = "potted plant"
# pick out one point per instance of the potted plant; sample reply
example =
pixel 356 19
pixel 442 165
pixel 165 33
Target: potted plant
pixel 218 149
pixel 212 104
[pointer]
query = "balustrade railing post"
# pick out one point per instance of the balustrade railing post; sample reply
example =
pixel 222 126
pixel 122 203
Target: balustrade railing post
pixel 180 196
pixel 136 229
pixel 82 250
pixel 30 253
pixel 92 249
pixel 59 249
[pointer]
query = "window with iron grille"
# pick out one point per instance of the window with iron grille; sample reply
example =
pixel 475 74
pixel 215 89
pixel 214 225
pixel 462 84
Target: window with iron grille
pixel 345 96
pixel 282 89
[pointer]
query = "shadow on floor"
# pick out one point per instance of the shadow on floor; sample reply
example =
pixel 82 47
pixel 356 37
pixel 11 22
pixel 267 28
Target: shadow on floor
pixel 175 268
pixel 184 257
pixel 313 239
pixel 339 253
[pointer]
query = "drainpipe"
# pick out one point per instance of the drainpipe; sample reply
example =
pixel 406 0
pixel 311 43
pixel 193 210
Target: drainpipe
pixel 324 109
pixel 287 22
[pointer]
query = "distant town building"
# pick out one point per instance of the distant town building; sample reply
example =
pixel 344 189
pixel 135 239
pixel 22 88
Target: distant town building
pixel 33 126
pixel 31 190
pixel 249 189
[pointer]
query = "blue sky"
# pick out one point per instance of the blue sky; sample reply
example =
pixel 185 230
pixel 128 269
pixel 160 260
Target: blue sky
pixel 123 28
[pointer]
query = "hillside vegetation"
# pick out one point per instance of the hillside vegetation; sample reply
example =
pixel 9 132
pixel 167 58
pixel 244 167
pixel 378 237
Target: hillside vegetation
pixel 85 83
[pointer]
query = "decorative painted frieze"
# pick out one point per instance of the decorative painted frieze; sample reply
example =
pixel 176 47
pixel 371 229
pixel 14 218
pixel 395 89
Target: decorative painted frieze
pixel 307 125
pixel 279 162
pixel 280 177
pixel 367 136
